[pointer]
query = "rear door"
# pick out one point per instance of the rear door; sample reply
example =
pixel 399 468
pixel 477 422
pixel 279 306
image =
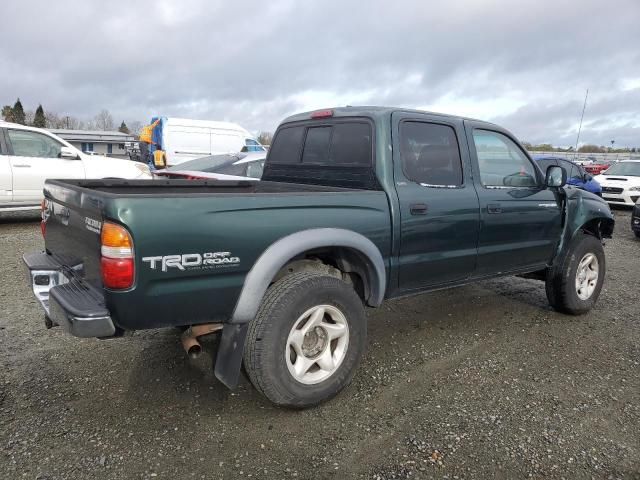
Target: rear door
pixel 439 208
pixel 520 218
pixel 35 157
pixel 6 180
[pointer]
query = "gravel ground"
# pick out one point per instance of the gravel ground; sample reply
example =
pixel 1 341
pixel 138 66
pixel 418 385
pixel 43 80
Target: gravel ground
pixel 481 381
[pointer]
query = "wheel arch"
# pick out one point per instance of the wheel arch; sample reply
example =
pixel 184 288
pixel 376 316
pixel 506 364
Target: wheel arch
pixel 352 251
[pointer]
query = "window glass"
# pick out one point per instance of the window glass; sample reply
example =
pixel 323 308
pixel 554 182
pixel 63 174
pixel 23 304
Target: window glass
pixel 316 146
pixel 252 145
pixel 430 154
pixel 544 164
pixel 501 162
pixel 351 144
pixel 286 145
pixel 573 171
pixel 255 169
pixel 33 144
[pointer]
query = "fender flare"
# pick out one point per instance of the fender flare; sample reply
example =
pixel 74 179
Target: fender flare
pixel 286 248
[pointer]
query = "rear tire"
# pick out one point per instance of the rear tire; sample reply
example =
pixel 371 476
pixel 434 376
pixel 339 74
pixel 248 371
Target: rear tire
pixel 573 284
pixel 306 341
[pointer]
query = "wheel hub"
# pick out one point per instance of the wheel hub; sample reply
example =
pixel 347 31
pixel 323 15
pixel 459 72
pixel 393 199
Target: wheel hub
pixel 587 276
pixel 314 342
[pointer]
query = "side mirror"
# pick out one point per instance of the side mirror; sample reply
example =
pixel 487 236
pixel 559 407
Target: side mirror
pixel 556 177
pixel 68 153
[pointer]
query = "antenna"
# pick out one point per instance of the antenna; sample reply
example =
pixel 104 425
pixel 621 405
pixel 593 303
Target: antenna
pixel 580 127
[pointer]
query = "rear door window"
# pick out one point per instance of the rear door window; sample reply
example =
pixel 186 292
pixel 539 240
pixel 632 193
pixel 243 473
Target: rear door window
pixel 430 154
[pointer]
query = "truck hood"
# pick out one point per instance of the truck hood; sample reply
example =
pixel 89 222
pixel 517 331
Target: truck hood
pixel 620 181
pixel 99 166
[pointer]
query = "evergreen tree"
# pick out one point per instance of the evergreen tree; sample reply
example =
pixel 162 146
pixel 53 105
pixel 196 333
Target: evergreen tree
pixel 123 128
pixel 39 120
pixel 18 113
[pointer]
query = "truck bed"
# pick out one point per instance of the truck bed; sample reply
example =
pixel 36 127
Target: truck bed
pixel 188 217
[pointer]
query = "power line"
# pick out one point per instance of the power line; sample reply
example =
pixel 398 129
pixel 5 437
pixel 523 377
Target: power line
pixel 581 117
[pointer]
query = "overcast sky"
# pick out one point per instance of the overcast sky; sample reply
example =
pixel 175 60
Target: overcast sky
pixel 524 64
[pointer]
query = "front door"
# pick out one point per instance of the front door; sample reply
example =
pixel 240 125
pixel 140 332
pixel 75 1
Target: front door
pixel 520 217
pixel 34 158
pixel 439 209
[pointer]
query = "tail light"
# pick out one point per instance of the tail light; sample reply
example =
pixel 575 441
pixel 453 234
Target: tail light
pixel 322 114
pixel 44 216
pixel 117 257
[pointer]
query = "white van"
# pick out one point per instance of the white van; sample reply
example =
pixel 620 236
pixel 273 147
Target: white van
pixel 184 139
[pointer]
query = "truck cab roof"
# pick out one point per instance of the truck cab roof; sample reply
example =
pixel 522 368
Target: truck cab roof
pixel 375 112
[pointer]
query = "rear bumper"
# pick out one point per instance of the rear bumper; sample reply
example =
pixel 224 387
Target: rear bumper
pixel 69 302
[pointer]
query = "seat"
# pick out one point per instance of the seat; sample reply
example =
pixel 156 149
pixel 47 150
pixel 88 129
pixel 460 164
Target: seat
pixel 437 166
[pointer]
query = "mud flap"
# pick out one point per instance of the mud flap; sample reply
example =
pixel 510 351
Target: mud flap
pixel 230 351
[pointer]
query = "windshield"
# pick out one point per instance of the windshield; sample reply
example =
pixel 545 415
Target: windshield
pixel 630 169
pixel 212 163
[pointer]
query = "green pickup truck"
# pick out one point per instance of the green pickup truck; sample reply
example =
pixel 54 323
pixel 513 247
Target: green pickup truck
pixel 356 205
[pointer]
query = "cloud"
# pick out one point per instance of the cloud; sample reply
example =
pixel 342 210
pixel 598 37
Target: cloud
pixel 525 65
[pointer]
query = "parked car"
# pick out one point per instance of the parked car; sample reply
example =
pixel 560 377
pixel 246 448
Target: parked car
pixel 29 155
pixel 597 167
pixel 576 174
pixel 635 219
pixel 232 166
pixel 184 139
pixel 356 205
pixel 621 183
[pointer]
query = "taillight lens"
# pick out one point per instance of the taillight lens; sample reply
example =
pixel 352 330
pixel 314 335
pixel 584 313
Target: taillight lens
pixel 117 256
pixel 44 216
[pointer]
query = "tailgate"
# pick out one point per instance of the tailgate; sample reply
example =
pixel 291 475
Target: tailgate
pixel 72 229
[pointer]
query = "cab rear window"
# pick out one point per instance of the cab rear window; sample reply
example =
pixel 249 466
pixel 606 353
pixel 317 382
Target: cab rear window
pixel 339 144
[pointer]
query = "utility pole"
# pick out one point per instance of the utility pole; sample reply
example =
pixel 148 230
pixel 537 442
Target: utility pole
pixel 581 117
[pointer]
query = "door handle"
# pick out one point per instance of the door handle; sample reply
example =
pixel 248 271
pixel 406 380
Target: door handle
pixel 418 209
pixel 22 165
pixel 494 208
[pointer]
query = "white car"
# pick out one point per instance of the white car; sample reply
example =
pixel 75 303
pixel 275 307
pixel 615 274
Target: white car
pixel 29 156
pixel 621 183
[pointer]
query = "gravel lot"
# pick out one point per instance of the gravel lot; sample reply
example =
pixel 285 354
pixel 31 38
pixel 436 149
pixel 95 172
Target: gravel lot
pixel 481 381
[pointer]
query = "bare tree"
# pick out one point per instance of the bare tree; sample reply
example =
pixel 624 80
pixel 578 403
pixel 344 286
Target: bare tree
pixel 134 127
pixel 265 138
pixel 104 120
pixel 29 115
pixel 53 120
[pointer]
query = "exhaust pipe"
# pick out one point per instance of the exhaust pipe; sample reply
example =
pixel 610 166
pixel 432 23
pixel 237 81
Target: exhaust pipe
pixel 190 336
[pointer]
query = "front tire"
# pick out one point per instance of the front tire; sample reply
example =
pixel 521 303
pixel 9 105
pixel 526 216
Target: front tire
pixel 306 341
pixel 573 284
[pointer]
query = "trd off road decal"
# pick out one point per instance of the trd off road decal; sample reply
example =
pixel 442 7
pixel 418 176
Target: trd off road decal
pixel 192 261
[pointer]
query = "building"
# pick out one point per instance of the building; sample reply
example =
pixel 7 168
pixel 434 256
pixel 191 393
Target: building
pixel 97 141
